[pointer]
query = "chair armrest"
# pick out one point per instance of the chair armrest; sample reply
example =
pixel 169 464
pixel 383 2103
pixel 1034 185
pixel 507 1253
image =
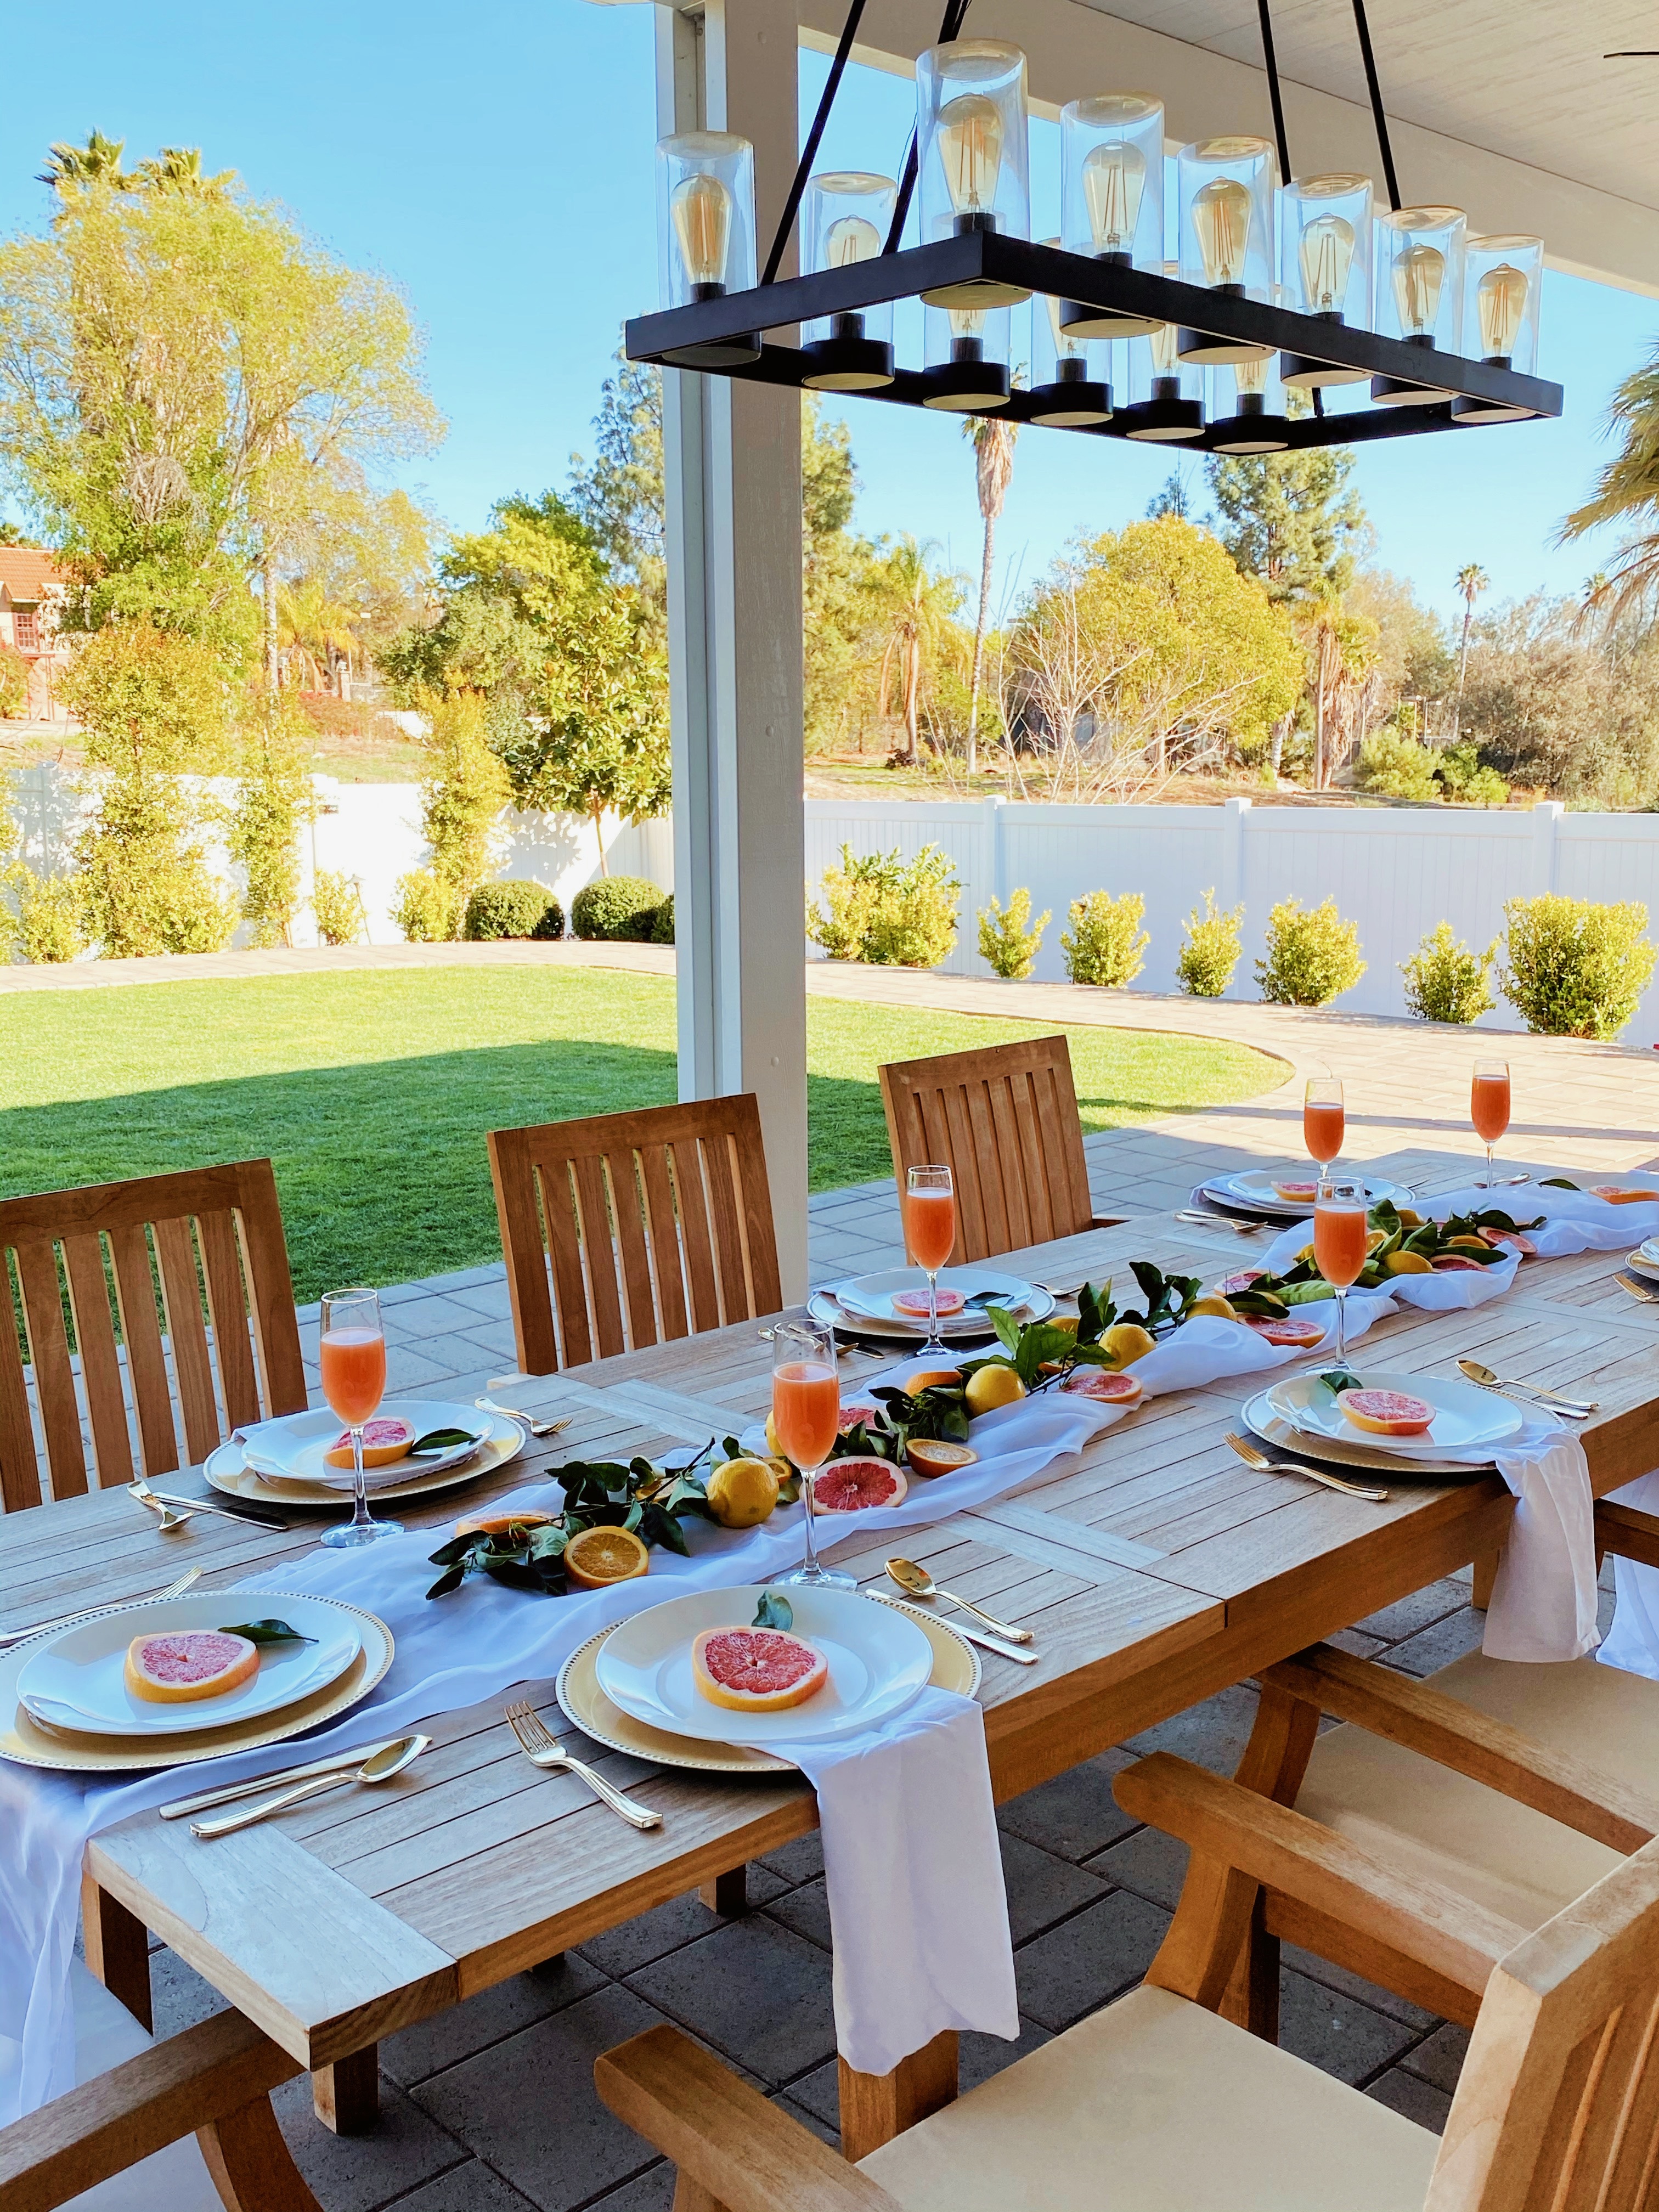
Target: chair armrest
pixel 110 2123
pixel 1627 1532
pixel 1452 1936
pixel 747 2155
pixel 1455 1735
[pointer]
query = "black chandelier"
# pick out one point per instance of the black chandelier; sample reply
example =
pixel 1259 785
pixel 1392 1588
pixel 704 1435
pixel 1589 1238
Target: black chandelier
pixel 1436 360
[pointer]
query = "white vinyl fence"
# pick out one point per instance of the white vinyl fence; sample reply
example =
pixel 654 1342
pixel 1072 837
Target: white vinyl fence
pixel 1396 872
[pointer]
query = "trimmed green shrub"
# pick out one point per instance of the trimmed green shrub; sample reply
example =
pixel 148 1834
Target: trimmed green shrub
pixel 51 915
pixel 1397 766
pixel 1009 940
pixel 337 907
pixel 510 909
pixel 1576 969
pixel 550 927
pixel 13 681
pixel 1447 982
pixel 617 909
pixel 428 909
pixel 1214 949
pixel 662 930
pixel 1469 781
pixel 1313 956
pixel 888 911
pixel 1105 941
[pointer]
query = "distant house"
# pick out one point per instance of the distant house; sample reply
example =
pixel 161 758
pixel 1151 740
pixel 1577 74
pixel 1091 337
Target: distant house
pixel 31 590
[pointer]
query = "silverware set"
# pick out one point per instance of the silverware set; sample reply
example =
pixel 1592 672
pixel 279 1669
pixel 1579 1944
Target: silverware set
pixel 1644 1294
pixel 380 1765
pixel 1508 1386
pixel 1260 1461
pixel 68 1620
pixel 544 1750
pixel 174 1512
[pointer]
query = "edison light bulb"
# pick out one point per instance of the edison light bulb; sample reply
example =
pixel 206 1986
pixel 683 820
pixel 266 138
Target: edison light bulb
pixel 1501 297
pixel 702 212
pixel 850 238
pixel 967 322
pixel 1419 274
pixel 1221 216
pixel 969 139
pixel 1250 378
pixel 1164 351
pixel 1326 253
pixel 1114 179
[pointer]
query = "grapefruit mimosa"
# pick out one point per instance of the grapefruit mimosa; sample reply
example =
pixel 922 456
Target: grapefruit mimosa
pixel 1489 1104
pixel 805 1416
pixel 353 1355
pixel 930 1233
pixel 1339 1242
pixel 1322 1119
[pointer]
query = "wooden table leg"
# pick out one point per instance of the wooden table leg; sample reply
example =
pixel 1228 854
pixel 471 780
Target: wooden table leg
pixel 117 1950
pixel 875 2107
pixel 346 2096
pixel 1486 1574
pixel 728 1893
pixel 691 2196
pixel 252 2167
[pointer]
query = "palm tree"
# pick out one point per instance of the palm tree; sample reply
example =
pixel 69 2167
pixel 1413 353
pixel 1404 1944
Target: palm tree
pixel 179 169
pixel 1472 580
pixel 1626 491
pixel 993 442
pixel 98 162
pixel 314 627
pixel 917 603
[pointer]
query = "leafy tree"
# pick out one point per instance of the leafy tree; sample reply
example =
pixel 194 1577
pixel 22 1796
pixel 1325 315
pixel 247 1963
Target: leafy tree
pixel 1555 707
pixel 189 387
pixel 1170 498
pixel 462 792
pixel 273 796
pixel 156 714
pixel 1291 519
pixel 619 495
pixel 312 627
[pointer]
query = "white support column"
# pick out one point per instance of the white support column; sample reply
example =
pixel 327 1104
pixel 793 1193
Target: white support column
pixel 731 464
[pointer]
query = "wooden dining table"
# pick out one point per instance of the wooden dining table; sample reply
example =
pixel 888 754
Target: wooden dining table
pixel 1154 1570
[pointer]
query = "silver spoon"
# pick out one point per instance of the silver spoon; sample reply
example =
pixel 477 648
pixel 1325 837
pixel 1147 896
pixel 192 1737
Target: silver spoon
pixel 535 1428
pixel 171 1517
pixel 1580 1408
pixel 390 1759
pixel 919 1583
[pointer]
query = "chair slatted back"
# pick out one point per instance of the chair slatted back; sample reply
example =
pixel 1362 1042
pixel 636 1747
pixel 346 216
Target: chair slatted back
pixel 1557 2107
pixel 1004 1121
pixel 146 1308
pixel 628 1229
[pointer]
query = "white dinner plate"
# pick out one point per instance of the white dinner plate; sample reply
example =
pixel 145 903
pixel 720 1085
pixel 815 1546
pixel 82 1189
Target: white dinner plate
pixel 965 1329
pixel 289 1451
pixel 1255 1190
pixel 873 1296
pixel 1260 1420
pixel 879 1663
pixel 76 1680
pixel 1468 1420
pixel 1645 1260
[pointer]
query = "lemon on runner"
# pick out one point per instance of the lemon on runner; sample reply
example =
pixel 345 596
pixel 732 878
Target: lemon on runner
pixel 1126 1344
pixel 1407 1263
pixel 1215 1305
pixel 599 1557
pixel 990 1387
pixel 742 1492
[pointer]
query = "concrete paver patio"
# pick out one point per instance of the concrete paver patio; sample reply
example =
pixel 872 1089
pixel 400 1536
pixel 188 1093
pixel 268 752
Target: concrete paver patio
pixel 490 2108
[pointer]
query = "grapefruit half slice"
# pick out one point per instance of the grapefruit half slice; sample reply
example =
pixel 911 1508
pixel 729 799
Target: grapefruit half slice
pixel 169 1668
pixel 1287 1331
pixel 384 1440
pixel 757 1670
pixel 916 1302
pixel 1100 1383
pixel 1387 1412
pixel 847 1485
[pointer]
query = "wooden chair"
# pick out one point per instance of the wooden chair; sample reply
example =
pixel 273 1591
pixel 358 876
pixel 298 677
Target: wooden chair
pixel 1515 1788
pixel 1004 1121
pixel 170 1296
pixel 1157 2105
pixel 628 1229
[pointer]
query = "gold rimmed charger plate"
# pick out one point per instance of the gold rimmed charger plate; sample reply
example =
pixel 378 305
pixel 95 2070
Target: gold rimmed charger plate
pixel 24 1741
pixel 1331 1451
pixel 956 1667
pixel 226 1469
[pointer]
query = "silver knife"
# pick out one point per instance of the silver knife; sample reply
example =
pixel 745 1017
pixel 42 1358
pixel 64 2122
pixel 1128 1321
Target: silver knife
pixel 224 1512
pixel 339 1762
pixel 968 1635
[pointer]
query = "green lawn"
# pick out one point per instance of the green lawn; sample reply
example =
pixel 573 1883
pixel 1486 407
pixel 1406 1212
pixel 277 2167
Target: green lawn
pixel 372 1090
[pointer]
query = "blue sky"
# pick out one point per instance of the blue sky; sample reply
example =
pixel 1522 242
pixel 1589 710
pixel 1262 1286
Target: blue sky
pixel 496 161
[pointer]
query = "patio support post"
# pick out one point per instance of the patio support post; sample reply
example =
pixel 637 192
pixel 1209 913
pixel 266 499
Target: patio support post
pixel 732 469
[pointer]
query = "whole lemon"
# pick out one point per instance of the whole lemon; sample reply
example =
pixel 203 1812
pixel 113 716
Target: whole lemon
pixel 742 1492
pixel 772 1444
pixel 1218 1308
pixel 1124 1344
pixel 990 1387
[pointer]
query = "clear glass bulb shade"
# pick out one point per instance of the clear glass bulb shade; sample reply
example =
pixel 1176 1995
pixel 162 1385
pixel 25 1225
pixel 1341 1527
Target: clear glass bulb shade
pixel 1505 278
pixel 1419 280
pixel 973 152
pixel 1226 227
pixel 1251 377
pixel 970 144
pixel 850 240
pixel 1326 246
pixel 1114 185
pixel 966 322
pixel 707 228
pixel 846 216
pixel 1111 196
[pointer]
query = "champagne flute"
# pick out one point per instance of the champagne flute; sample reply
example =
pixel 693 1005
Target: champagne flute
pixel 805 1418
pixel 1322 1118
pixel 930 1233
pixel 1340 1232
pixel 1489 1105
pixel 353 1353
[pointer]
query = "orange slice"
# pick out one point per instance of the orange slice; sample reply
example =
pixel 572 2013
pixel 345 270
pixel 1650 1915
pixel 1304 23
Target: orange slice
pixel 497 1524
pixel 925 1378
pixel 933 1456
pixel 599 1557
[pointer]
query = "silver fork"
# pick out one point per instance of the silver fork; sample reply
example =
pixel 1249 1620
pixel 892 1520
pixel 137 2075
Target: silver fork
pixel 535 1428
pixel 543 1750
pixel 68 1620
pixel 1263 1465
pixel 1638 1290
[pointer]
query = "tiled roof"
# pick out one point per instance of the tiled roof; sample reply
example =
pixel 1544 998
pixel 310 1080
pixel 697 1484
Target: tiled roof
pixel 27 571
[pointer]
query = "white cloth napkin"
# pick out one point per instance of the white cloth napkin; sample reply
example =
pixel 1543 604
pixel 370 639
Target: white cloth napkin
pixel 1632 1641
pixel 918 1913
pixel 1544 1602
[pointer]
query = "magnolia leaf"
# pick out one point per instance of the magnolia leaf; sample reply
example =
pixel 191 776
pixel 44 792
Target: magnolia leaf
pixel 449 1580
pixel 658 1527
pixel 1007 1329
pixel 516 1574
pixel 267 1632
pixel 445 1439
pixel 773 1610
pixel 1560 1183
pixel 1338 1378
pixel 458 1548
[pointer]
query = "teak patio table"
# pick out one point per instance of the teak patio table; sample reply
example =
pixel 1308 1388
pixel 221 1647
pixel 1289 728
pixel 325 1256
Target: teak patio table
pixel 1155 1570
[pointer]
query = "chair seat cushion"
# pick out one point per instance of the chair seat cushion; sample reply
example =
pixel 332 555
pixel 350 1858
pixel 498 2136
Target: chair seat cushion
pixel 1479 1843
pixel 1156 2105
